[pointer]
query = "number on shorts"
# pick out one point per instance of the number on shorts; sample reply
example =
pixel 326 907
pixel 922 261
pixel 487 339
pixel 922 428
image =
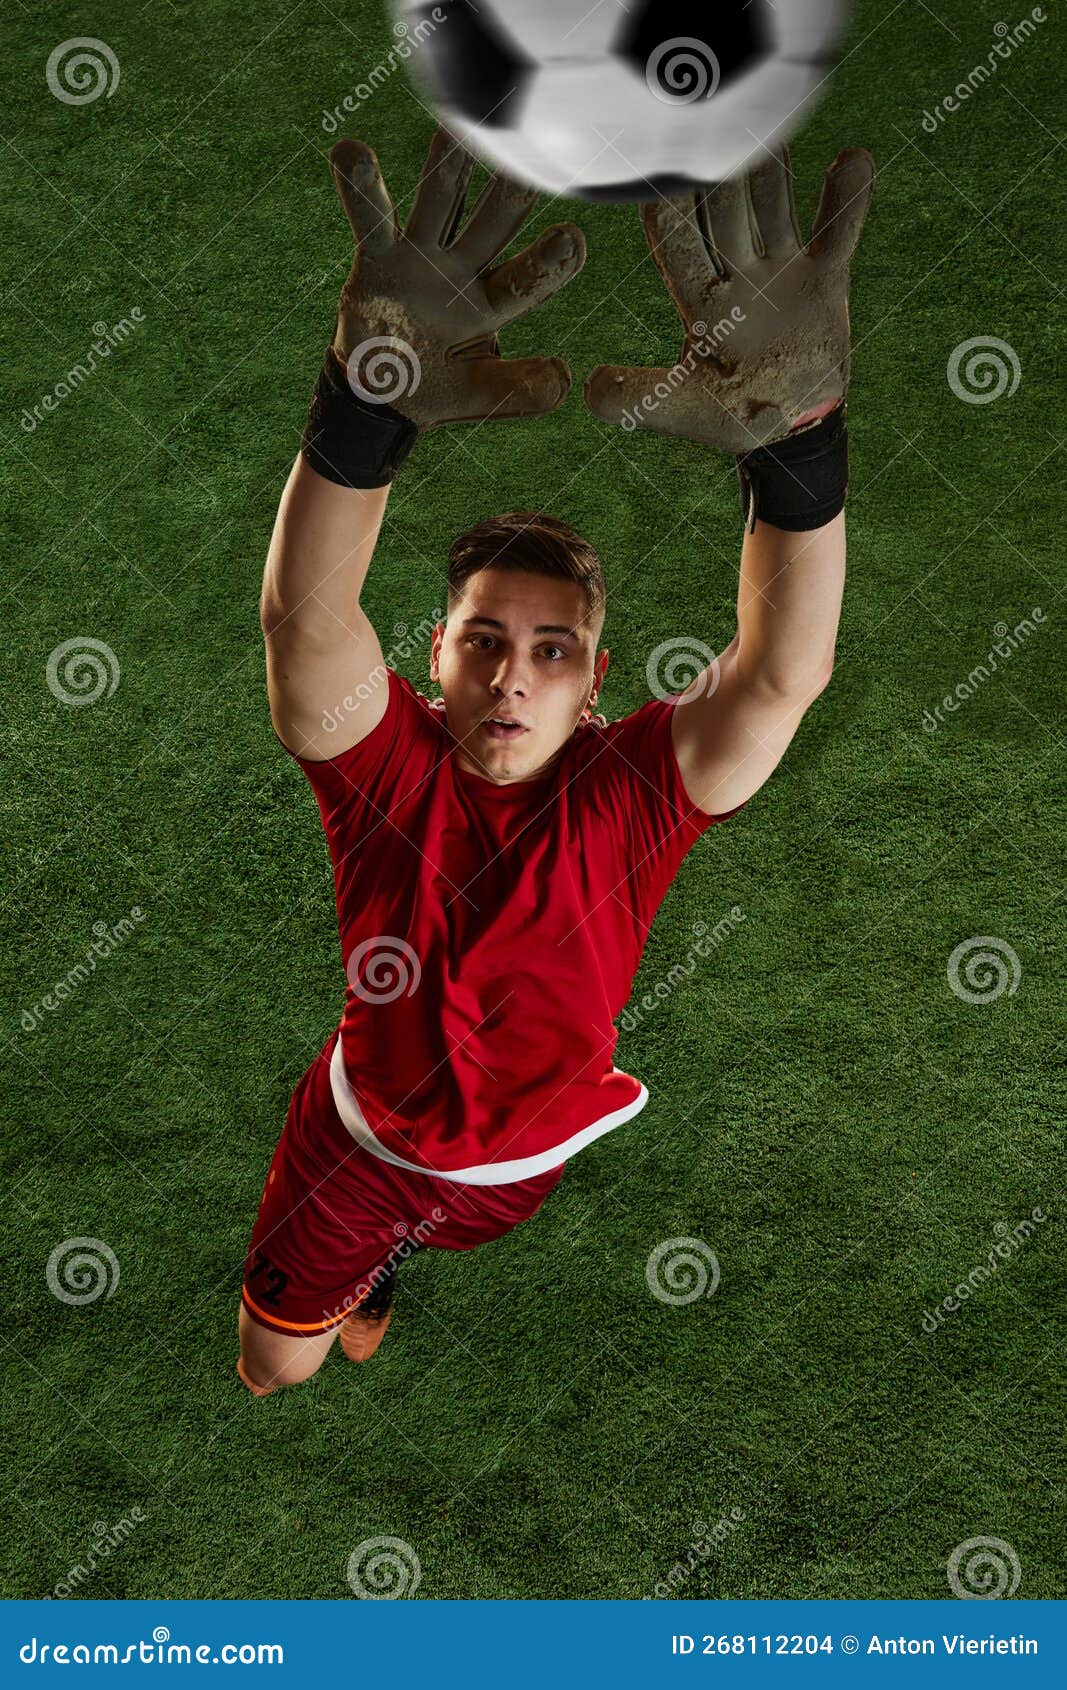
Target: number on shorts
pixel 274 1280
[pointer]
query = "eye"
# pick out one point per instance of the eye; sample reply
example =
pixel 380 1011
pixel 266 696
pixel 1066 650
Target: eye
pixel 472 639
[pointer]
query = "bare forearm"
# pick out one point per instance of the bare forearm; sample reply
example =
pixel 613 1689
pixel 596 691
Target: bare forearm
pixel 789 605
pixel 320 551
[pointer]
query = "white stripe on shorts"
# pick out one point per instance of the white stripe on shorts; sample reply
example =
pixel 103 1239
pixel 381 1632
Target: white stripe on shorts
pixel 487 1173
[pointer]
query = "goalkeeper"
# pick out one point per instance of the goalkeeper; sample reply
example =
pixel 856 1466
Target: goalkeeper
pixel 499 854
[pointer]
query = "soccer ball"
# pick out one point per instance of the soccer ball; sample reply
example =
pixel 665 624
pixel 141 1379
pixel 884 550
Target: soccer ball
pixel 625 99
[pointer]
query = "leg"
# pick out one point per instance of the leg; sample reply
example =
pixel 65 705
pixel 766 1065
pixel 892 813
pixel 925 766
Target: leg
pixel 364 1328
pixel 271 1359
pixel 303 1243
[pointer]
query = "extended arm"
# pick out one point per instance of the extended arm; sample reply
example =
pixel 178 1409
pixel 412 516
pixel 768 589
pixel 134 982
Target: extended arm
pixel 729 741
pixel 767 384
pixel 415 345
pixel 320 646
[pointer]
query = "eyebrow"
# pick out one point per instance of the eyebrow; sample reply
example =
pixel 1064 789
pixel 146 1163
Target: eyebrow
pixel 545 627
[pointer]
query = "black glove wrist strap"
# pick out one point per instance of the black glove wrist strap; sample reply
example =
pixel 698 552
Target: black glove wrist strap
pixel 349 440
pixel 800 482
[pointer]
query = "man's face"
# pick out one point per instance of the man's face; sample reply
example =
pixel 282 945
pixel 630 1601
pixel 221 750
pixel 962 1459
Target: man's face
pixel 522 647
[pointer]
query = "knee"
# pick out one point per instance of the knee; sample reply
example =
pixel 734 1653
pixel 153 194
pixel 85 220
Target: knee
pixel 246 1378
pixel 269 1361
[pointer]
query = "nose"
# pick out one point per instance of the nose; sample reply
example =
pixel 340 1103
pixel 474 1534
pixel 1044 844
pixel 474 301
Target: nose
pixel 509 679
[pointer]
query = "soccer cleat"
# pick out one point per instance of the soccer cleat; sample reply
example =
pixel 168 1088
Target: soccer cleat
pixel 363 1330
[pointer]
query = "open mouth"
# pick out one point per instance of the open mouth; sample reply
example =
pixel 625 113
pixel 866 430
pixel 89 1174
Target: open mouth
pixel 497 729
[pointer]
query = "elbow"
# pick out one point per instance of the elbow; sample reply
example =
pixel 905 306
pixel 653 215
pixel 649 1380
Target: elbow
pixel 808 687
pixel 274 615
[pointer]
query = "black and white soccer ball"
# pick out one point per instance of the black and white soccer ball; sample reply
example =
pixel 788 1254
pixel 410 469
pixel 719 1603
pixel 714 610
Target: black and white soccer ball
pixel 621 99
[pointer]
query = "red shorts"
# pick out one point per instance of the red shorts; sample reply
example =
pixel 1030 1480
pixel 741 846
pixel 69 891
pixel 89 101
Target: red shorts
pixel 333 1216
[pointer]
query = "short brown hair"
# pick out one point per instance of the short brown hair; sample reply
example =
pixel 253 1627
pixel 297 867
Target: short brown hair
pixel 533 543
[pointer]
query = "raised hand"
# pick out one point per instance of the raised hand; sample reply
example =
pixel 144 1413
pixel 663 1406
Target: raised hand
pixel 422 308
pixel 765 318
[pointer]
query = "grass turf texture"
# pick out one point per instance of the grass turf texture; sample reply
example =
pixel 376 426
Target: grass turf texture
pixel 840 1128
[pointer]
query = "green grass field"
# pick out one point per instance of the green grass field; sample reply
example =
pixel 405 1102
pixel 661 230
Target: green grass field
pixel 847 1134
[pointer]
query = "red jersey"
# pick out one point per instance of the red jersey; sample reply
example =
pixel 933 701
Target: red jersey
pixel 491 935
